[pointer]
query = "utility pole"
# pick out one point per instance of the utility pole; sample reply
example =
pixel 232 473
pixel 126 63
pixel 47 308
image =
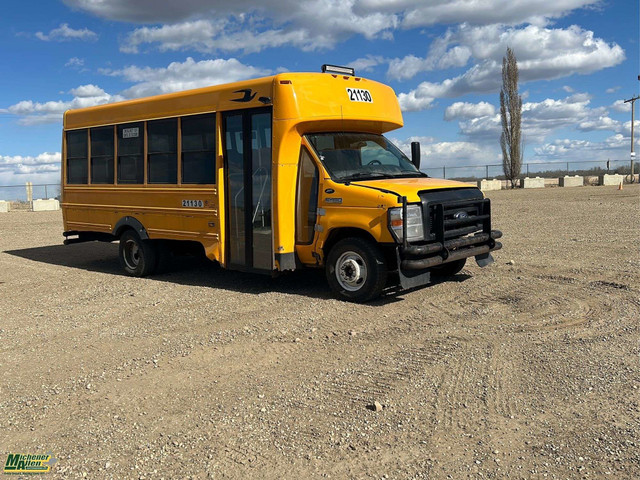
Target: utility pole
pixel 633 154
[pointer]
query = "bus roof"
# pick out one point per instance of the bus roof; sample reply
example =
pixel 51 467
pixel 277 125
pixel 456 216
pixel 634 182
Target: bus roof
pixel 305 97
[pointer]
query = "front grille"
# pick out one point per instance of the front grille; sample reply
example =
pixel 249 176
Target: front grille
pixel 454 213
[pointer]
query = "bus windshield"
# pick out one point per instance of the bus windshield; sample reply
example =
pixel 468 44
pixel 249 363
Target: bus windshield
pixel 361 156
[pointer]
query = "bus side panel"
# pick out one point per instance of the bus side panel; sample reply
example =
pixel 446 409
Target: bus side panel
pixel 286 150
pixel 173 213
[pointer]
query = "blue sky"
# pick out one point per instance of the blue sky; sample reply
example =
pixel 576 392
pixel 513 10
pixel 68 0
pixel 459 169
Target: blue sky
pixel 578 59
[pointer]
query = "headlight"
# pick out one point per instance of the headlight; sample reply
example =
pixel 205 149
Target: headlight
pixel 415 230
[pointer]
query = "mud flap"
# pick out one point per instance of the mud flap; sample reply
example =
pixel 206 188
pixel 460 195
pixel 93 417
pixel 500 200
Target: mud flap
pixel 414 280
pixel 484 259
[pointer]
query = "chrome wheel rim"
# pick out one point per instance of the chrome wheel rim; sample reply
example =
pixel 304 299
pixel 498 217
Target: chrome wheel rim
pixel 131 254
pixel 351 271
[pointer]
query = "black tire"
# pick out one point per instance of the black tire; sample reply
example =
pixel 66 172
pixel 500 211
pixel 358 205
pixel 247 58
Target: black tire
pixel 137 257
pixel 356 269
pixel 449 269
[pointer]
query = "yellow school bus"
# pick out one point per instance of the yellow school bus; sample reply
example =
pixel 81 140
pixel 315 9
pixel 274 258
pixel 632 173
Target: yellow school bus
pixel 270 175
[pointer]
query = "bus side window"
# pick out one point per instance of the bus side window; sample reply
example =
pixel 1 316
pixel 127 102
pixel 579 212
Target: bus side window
pixel 77 150
pixel 130 153
pixel 162 150
pixel 102 155
pixel 306 198
pixel 199 149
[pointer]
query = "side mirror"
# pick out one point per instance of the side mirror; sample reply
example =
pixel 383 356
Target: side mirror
pixel 415 154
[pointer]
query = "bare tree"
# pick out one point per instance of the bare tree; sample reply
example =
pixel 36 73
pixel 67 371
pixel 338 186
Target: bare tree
pixel 511 116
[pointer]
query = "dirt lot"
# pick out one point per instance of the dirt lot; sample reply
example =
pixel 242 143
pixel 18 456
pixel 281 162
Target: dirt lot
pixel 522 370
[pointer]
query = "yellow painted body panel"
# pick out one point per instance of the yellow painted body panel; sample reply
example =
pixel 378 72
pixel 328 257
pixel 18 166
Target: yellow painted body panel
pixel 161 217
pixel 301 103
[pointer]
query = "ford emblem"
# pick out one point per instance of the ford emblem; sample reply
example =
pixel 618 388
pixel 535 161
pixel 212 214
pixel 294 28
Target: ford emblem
pixel 460 215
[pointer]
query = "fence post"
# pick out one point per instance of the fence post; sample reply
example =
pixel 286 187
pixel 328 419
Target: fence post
pixel 45 192
pixel 444 172
pixel 29 187
pixel 486 172
pixel 567 168
pixel 527 169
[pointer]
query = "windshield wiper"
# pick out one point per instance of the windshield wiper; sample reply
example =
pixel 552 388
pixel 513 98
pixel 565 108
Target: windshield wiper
pixel 410 174
pixel 363 175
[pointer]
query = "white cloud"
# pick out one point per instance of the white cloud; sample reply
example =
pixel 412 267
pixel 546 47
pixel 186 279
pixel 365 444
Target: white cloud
pixel 568 89
pixel 197 34
pixel 542 54
pixel 152 11
pixel 74 62
pixel 436 154
pixel 366 64
pixel 184 75
pixel 464 110
pixel 540 119
pixel 252 30
pixel 88 91
pixel 481 123
pixel 41 169
pixel 483 12
pixel 414 13
pixel 439 57
pixel 458 153
pixel 64 33
pixel 250 26
pixel 615 147
pixel 147 81
pixel 603 122
pixel 620 106
pixel 613 89
pixel 35 113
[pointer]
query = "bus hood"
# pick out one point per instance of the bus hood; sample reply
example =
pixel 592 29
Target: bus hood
pixel 409 187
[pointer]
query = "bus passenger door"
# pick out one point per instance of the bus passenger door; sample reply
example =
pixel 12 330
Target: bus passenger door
pixel 307 195
pixel 247 156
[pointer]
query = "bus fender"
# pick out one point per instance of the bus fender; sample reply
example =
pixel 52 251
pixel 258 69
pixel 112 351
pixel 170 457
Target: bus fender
pixel 132 223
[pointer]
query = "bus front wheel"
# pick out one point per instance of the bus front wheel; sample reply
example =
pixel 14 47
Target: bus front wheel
pixel 356 269
pixel 137 257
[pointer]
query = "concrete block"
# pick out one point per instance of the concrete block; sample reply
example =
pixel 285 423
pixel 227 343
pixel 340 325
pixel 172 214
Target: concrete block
pixel 533 182
pixel 486 185
pixel 613 179
pixel 575 181
pixel 43 205
pixel 4 206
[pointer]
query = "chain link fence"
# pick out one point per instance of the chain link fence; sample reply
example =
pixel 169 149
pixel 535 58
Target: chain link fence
pixel 536 169
pixel 22 199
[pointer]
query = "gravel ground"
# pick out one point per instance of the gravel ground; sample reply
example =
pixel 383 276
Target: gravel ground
pixel 525 369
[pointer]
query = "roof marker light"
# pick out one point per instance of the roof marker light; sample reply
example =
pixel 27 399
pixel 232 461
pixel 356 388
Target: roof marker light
pixel 337 69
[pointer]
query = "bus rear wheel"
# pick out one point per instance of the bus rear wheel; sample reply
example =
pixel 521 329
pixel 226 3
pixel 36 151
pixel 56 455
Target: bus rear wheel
pixel 356 269
pixel 137 257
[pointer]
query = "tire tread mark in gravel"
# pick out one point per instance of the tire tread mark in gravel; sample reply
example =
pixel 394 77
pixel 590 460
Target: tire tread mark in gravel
pixel 457 391
pixel 502 399
pixel 377 379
